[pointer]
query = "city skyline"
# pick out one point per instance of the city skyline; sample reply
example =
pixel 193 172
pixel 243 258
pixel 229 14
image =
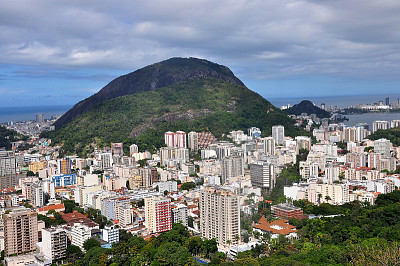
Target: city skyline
pixel 61 53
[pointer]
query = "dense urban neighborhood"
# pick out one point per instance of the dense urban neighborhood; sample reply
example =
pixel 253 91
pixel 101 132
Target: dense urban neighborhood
pixel 247 198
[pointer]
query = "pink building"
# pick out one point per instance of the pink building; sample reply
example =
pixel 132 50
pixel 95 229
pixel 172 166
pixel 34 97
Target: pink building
pixel 169 138
pixel 180 139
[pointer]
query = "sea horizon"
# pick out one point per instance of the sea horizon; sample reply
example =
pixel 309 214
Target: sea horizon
pixel 26 113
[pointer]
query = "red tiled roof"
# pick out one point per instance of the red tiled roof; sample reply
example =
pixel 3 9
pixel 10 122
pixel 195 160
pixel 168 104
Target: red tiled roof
pixel 52 207
pixel 264 225
pixel 69 216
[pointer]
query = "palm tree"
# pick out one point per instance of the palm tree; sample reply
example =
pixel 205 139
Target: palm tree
pixel 229 243
pixel 319 198
pixel 266 237
pixel 237 239
pixel 327 198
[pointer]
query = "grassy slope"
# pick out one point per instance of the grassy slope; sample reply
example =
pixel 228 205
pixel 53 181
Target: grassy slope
pixel 230 106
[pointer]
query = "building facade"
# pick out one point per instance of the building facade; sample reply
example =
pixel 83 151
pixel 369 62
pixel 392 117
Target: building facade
pixel 54 243
pixel 20 231
pixel 263 175
pixel 158 214
pixel 220 215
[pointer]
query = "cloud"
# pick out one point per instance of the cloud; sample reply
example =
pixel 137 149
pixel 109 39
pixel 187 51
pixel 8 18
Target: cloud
pixel 259 39
pixel 9 91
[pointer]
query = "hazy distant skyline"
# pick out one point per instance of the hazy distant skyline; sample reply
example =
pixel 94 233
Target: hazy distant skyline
pixel 54 52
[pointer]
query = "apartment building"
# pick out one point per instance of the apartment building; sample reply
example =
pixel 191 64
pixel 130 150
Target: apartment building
pixel 79 234
pixel 232 166
pixel 54 243
pixel 20 231
pixel 179 214
pixel 220 215
pixel 263 175
pixel 158 214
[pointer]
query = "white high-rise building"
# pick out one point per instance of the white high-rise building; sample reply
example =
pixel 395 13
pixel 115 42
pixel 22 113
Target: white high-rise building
pixel 380 125
pixel 332 173
pixel 106 160
pixel 382 146
pixel 8 163
pixel 179 214
pixel 360 134
pixel 220 215
pixel 193 140
pixel 232 166
pixel 395 123
pixel 54 243
pixel 110 233
pixel 269 145
pixel 262 175
pixel 133 149
pixel 79 234
pixel 278 133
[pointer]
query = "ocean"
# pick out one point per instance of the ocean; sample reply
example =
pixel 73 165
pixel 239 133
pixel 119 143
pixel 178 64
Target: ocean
pixel 369 118
pixel 27 113
pixel 341 101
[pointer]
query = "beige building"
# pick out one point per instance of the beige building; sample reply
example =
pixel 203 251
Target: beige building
pixel 363 173
pixel 220 216
pixel 158 214
pixel 36 166
pixel 331 193
pixel 20 231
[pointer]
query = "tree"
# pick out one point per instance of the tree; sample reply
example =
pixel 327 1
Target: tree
pixel 165 192
pixel 30 173
pixel 209 246
pixel 319 198
pixel 229 242
pixel 195 244
pixel 69 206
pixel 188 185
pixel 327 198
pixel 90 243
pixel 73 253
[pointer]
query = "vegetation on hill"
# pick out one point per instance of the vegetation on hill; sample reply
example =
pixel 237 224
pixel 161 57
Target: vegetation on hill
pixel 308 107
pixel 149 78
pixel 206 104
pixel 392 134
pixel 8 136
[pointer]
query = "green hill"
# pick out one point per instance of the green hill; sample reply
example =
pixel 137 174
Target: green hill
pixel 308 107
pixel 158 75
pixel 216 102
pixel 7 136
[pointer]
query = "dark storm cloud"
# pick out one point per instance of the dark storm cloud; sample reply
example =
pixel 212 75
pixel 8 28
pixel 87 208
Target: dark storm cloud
pixel 261 39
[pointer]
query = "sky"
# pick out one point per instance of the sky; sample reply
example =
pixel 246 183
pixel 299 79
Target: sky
pixel 60 52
